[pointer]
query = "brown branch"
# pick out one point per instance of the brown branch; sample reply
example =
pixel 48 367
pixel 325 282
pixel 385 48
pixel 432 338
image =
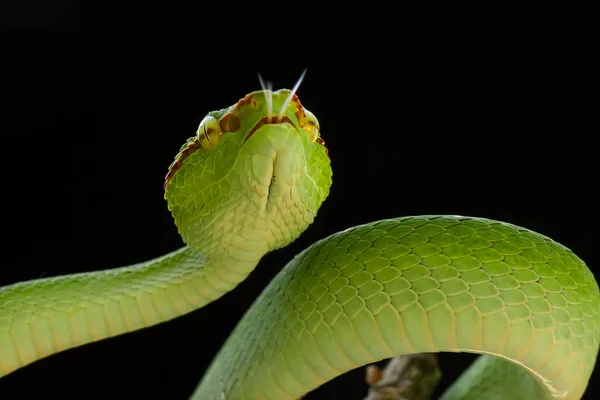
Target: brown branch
pixel 409 377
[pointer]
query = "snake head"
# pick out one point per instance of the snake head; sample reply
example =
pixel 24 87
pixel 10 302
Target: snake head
pixel 260 162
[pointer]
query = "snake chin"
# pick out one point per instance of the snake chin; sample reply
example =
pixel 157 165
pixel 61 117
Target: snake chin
pixel 271 182
pixel 280 193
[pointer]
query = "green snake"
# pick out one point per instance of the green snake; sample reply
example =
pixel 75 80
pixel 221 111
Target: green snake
pixel 250 181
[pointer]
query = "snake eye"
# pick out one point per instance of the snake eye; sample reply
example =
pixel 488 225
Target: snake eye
pixel 209 132
pixel 311 125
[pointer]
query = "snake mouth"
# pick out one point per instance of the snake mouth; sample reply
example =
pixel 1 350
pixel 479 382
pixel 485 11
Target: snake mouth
pixel 267 121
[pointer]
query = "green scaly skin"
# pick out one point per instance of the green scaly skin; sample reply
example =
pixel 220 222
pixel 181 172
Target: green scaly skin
pixel 392 287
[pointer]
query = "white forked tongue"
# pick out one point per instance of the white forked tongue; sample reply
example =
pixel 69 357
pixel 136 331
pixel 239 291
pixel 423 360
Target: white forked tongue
pixel 287 101
pixel 268 89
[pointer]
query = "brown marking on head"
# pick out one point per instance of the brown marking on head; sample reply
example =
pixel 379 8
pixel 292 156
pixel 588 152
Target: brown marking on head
pixel 248 100
pixel 189 149
pixel 322 143
pixel 244 102
pixel 300 114
pixel 230 122
pixel 265 121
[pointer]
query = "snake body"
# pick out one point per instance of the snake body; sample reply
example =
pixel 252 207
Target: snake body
pixel 250 182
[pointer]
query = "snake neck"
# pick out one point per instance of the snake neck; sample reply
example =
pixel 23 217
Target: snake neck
pixel 77 309
pixel 74 310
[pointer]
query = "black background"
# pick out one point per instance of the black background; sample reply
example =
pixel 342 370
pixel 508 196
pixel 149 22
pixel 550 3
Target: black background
pixel 488 113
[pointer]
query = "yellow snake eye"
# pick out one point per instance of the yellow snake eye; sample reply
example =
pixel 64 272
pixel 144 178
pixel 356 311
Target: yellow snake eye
pixel 209 132
pixel 311 125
